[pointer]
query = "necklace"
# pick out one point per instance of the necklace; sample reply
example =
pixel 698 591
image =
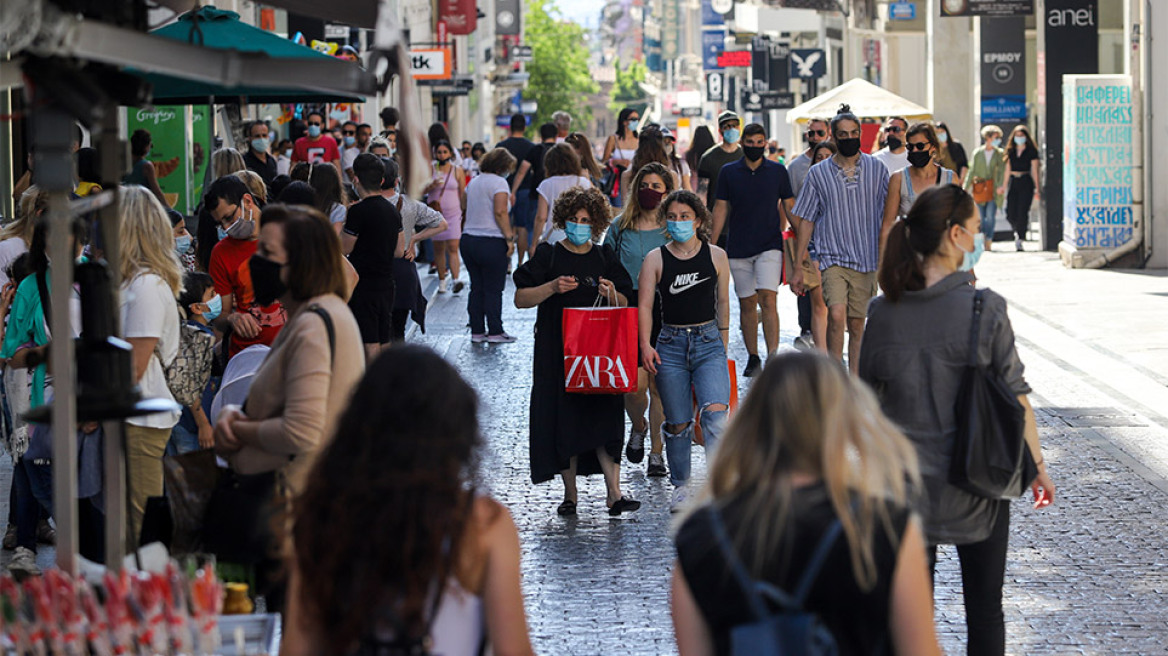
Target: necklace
pixel 685 254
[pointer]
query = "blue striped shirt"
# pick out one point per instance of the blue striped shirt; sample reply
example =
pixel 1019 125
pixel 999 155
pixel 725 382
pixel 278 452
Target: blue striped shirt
pixel 847 212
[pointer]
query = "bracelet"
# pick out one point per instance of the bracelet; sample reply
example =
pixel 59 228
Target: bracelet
pixel 724 328
pixel 1040 462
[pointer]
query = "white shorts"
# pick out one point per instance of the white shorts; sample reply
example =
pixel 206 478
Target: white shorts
pixel 763 271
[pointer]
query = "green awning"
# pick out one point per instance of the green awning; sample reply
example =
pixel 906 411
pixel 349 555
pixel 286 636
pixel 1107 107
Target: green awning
pixel 219 29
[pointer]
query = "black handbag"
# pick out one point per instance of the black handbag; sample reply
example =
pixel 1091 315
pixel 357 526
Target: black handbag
pixel 990 458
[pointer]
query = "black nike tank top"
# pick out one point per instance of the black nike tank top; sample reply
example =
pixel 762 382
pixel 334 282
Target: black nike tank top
pixel 688 288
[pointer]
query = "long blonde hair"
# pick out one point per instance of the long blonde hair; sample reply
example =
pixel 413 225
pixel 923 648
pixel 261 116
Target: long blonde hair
pixel 146 239
pixel 33 202
pixel 804 415
pixel 226 161
pixel 255 184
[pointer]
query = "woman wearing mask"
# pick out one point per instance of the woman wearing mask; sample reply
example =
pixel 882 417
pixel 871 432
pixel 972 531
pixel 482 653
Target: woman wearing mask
pixel 677 164
pixel 330 194
pixel 950 152
pixel 926 310
pixel 184 244
pixel 488 243
pixel 634 234
pixel 588 166
pixel 1022 186
pixel 691 277
pixel 284 157
pixel 703 140
pixel 408 469
pixel 923 172
pixel 779 494
pixel 619 147
pixel 561 169
pixel 651 148
pixel 447 194
pixel 987 169
pixel 573 434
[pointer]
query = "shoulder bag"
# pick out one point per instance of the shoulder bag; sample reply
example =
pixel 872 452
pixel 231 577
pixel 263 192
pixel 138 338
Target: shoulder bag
pixel 990 458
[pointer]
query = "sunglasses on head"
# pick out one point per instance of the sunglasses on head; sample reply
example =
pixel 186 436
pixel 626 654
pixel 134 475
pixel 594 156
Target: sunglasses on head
pixel 917 146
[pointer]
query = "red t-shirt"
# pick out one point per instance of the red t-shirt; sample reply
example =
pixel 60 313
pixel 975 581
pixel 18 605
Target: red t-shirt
pixel 315 151
pixel 230 272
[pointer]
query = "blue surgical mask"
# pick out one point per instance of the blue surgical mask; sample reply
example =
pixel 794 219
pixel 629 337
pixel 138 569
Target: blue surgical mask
pixel 1020 140
pixel 731 136
pixel 942 137
pixel 680 231
pixel 969 258
pixel 578 233
pixel 214 308
pixel 314 131
pixel 221 232
pixel 349 141
pixel 288 153
pixel 182 244
pixel 633 125
pixel 996 143
pixel 260 145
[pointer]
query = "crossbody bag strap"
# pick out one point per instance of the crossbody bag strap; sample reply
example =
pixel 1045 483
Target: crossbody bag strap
pixel 822 550
pixel 975 329
pixel 328 326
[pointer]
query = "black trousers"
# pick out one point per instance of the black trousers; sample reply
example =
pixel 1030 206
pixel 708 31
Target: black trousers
pixel 804 304
pixel 983 571
pixel 1018 200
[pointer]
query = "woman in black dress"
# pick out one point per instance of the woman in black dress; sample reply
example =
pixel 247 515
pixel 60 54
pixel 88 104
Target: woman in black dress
pixel 573 434
pixel 1021 181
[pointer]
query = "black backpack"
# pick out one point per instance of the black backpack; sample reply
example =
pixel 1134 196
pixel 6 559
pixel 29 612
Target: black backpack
pixel 779 625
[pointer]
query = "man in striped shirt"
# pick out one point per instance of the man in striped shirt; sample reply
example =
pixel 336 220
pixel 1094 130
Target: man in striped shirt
pixel 842 205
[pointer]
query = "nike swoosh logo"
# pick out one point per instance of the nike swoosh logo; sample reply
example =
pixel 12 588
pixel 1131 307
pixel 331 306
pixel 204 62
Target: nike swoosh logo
pixel 674 289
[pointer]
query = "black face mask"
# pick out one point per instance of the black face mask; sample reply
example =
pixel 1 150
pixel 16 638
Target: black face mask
pixel 265 280
pixel 894 143
pixel 920 158
pixel 848 147
pixel 753 153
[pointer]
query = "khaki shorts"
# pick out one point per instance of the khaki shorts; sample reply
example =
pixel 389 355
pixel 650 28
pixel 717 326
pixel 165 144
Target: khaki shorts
pixel 844 286
pixel 811 277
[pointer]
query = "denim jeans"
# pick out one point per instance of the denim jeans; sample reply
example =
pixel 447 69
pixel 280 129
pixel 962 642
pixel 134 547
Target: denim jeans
pixel 989 214
pixel 485 259
pixel 693 361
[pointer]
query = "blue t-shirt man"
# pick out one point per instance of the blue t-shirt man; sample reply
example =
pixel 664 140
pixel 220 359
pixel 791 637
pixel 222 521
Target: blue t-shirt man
pixel 754 224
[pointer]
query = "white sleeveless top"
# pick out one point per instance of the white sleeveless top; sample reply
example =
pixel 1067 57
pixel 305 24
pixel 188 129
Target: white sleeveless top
pixel 459 627
pixel 908 195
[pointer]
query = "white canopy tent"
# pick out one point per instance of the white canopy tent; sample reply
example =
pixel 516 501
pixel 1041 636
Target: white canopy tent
pixel 866 100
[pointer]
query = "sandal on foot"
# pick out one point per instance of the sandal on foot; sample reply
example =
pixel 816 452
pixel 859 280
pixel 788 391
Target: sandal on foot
pixel 568 507
pixel 624 504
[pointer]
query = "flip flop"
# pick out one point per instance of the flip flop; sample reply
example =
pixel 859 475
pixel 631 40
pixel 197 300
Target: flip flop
pixel 567 508
pixel 624 504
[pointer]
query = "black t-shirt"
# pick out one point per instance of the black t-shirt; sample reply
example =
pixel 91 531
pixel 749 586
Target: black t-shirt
pixel 710 165
pixel 376 224
pixel 518 147
pixel 857 619
pixel 1021 163
pixel 266 170
pixel 535 159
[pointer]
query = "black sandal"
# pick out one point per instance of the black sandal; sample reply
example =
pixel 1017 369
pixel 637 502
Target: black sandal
pixel 568 507
pixel 624 504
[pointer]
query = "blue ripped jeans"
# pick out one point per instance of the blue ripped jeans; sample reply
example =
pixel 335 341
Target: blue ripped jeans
pixel 693 361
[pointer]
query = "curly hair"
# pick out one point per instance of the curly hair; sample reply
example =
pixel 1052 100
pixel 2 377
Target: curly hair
pixel 591 200
pixel 403 464
pixel 701 214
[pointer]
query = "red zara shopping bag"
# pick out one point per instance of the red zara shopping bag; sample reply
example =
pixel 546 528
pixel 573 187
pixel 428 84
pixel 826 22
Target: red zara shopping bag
pixel 600 350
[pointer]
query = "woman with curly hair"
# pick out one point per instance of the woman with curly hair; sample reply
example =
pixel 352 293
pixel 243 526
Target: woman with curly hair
pixel 573 434
pixel 443 564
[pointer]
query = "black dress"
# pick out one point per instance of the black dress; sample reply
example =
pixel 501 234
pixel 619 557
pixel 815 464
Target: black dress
pixel 563 425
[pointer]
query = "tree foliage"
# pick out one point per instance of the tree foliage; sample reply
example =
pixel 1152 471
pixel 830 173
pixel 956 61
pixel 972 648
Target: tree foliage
pixel 627 88
pixel 560 77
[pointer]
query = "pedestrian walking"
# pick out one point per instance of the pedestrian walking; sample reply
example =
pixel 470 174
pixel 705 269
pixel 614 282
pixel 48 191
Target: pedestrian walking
pixel 447 194
pixel 619 149
pixel 784 506
pixel 951 152
pixel 702 141
pixel 372 239
pixel 533 169
pixel 258 156
pixel 842 207
pixel 812 312
pixel 692 279
pixel 573 434
pixel 712 161
pixel 677 164
pixel 1022 185
pixel 915 358
pixel 316 147
pixel 255 184
pixel 563 122
pixel 226 161
pixel 331 199
pixel 987 171
pixel 894 155
pixel 650 148
pixel 142 171
pixel 283 155
pixel 442 568
pixel 588 166
pixel 561 169
pixel 922 172
pixel 524 206
pixel 754 197
pixel 349 149
pixel 635 233
pixel 488 243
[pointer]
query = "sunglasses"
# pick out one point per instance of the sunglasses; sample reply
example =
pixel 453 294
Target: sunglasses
pixel 917 146
pixel 349 133
pixel 894 129
pixel 314 123
pixel 587 280
pixel 817 133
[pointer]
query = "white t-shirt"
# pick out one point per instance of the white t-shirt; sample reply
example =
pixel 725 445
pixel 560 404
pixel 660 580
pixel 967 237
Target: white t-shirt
pixel 337 213
pixel 148 309
pixel 348 156
pixel 480 205
pixel 10 249
pixel 550 189
pixel 892 161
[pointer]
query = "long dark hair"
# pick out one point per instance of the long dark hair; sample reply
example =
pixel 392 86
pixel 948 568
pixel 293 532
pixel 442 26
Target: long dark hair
pixel 326 182
pixel 703 140
pixel 919 235
pixel 650 148
pixel 1011 145
pixel 622 120
pixel 385 508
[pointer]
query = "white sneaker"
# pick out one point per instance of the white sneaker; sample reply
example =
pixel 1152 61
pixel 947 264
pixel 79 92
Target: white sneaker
pixel 442 285
pixel 1018 244
pixel 680 499
pixel 501 338
pixel 804 342
pixel 24 561
pixel 476 338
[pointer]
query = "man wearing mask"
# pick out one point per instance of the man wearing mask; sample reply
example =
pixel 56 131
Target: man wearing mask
pixel 752 199
pixel 894 155
pixel 818 131
pixel 712 161
pixel 257 158
pixel 237 214
pixel 842 206
pixel 316 147
pixel 350 151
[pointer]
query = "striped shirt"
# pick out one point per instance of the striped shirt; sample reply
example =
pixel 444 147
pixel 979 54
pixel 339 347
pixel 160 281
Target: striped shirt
pixel 847 212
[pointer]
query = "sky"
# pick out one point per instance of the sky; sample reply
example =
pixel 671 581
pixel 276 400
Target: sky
pixel 584 12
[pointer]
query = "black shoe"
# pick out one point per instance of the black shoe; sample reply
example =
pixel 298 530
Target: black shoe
pixel 568 507
pixel 656 467
pixel 624 504
pixel 753 364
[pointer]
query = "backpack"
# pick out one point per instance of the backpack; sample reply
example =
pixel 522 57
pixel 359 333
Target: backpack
pixel 187 375
pixel 788 630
